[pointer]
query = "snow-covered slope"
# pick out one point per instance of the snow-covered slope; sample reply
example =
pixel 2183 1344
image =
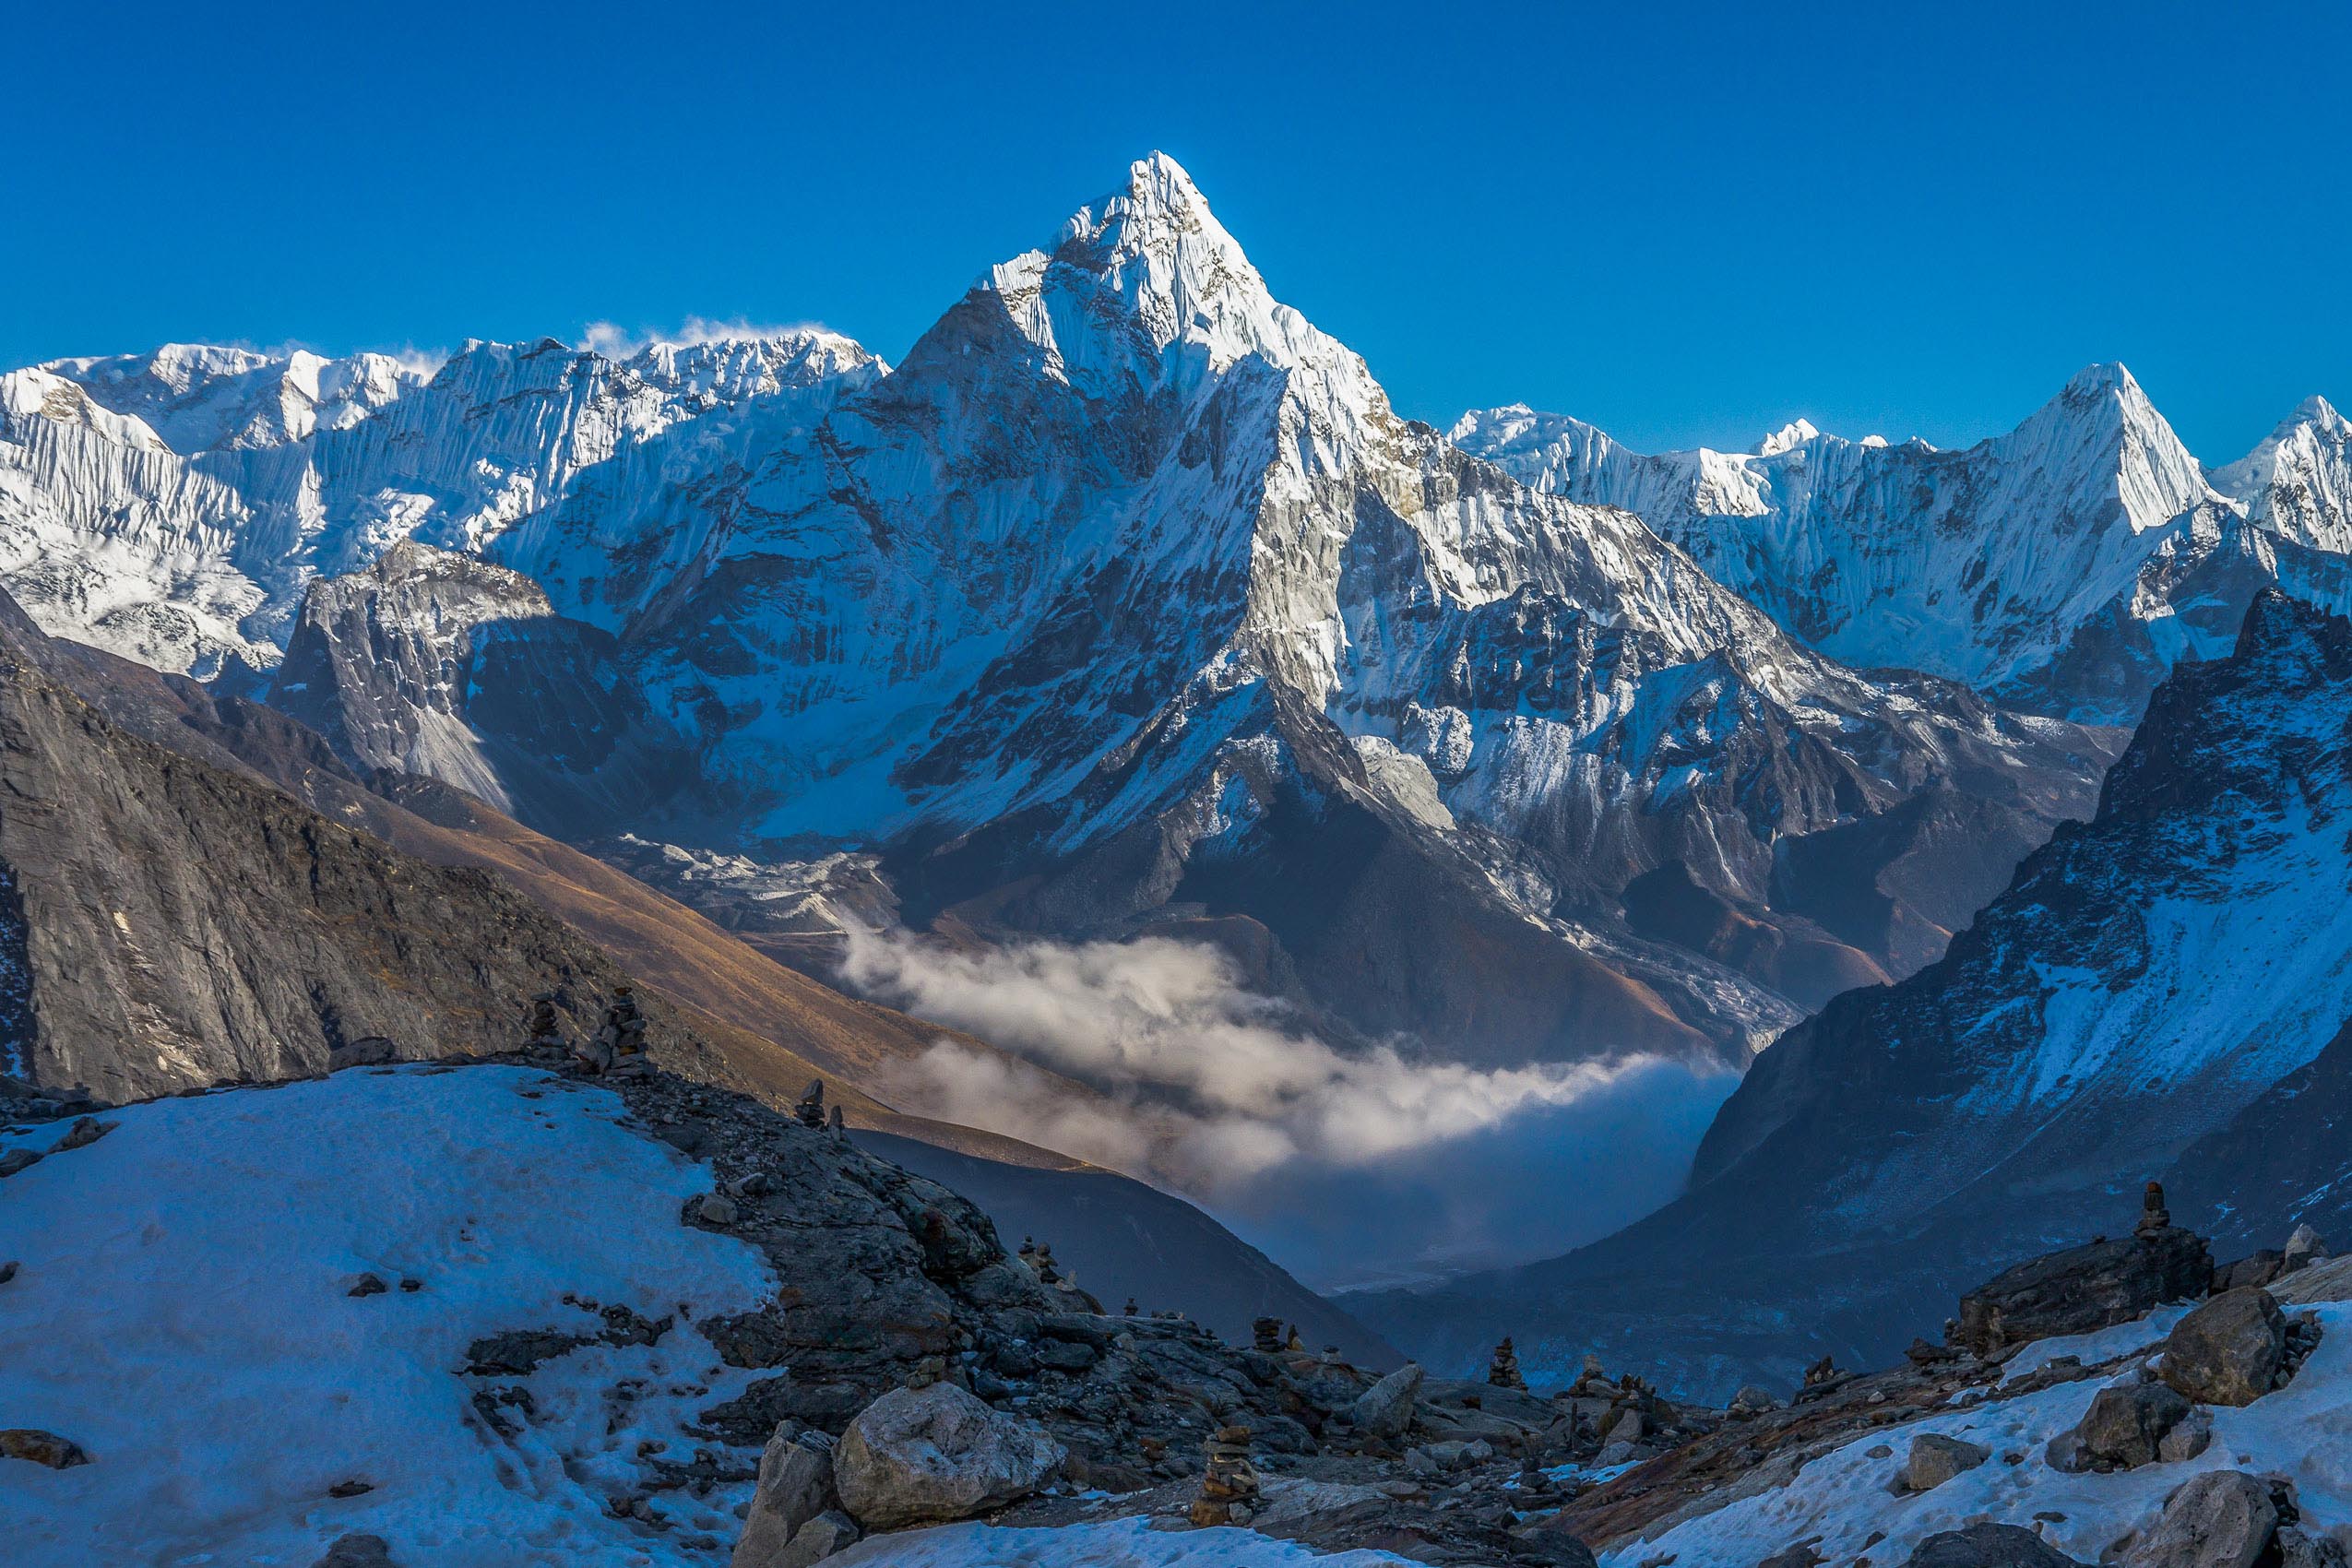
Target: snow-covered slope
pixel 2298 481
pixel 173 507
pixel 2039 565
pixel 189 1280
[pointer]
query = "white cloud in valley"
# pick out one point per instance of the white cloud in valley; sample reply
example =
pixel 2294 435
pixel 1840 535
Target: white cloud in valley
pixel 1216 1091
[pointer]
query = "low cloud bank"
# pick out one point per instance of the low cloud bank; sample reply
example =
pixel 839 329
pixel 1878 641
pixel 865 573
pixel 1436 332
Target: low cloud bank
pixel 1349 1168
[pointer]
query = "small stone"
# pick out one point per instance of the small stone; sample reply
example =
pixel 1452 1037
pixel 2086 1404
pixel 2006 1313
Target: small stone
pixel 90 1129
pixel 369 1285
pixel 7 1271
pixel 352 1488
pixel 715 1208
pixel 38 1447
pixel 411 1285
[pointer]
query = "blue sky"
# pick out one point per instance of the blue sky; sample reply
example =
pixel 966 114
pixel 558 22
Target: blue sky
pixel 1685 222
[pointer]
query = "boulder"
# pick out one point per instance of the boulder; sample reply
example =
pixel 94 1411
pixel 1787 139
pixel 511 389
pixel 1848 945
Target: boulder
pixel 2329 1280
pixel 1752 1400
pixel 2229 1350
pixel 2220 1519
pixel 819 1538
pixel 2297 1550
pixel 2191 1437
pixel 795 1486
pixel 1935 1459
pixel 2125 1426
pixel 38 1447
pixel 1987 1546
pixel 2255 1268
pixel 932 1454
pixel 2084 1287
pixel 1386 1409
pixel 2303 1249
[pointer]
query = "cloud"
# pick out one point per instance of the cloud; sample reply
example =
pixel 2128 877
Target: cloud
pixel 1223 1095
pixel 617 342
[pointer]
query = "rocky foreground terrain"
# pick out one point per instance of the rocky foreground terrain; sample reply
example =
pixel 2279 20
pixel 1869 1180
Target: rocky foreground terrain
pixel 515 1310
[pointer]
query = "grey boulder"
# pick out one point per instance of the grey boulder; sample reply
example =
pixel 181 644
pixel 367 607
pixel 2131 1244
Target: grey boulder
pixel 1935 1459
pixel 795 1486
pixel 2229 1350
pixel 1386 1409
pixel 2220 1519
pixel 928 1455
pixel 2126 1426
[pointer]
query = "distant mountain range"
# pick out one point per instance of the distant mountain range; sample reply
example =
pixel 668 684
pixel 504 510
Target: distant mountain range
pixel 1126 606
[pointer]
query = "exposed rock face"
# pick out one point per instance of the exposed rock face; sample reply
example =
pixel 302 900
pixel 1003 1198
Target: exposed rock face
pixel 2228 1352
pixel 2220 1519
pixel 921 1455
pixel 169 923
pixel 453 668
pixel 2084 1287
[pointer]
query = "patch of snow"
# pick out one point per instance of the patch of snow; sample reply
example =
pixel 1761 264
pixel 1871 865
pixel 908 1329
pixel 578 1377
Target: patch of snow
pixel 185 1279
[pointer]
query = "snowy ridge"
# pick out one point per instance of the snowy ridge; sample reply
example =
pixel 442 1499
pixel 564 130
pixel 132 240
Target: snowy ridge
pixel 1990 565
pixel 171 507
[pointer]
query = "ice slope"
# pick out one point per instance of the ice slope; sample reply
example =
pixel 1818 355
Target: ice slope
pixel 186 1282
pixel 2034 564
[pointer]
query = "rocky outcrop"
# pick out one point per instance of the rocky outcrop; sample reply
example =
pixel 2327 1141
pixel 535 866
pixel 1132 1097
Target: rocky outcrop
pixel 168 922
pixel 2084 1287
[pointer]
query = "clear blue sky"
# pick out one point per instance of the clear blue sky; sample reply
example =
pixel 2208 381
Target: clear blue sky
pixel 1687 223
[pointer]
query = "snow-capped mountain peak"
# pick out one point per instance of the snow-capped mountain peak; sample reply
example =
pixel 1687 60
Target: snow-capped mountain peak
pixel 1796 432
pixel 2297 482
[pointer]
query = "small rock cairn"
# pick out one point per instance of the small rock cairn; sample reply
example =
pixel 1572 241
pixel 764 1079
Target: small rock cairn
pixel 1230 1487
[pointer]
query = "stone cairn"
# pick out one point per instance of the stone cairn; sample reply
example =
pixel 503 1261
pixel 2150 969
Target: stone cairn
pixel 1129 1310
pixel 542 1032
pixel 1294 1342
pixel 617 1049
pixel 1821 1372
pixel 1230 1487
pixel 2154 1216
pixel 1504 1371
pixel 1266 1336
pixel 810 1111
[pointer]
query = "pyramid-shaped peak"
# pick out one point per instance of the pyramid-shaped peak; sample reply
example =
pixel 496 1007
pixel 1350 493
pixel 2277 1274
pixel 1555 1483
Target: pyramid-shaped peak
pixel 2107 377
